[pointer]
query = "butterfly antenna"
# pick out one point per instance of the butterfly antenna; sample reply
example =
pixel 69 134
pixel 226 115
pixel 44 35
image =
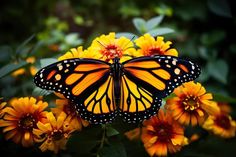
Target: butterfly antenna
pixel 101 43
pixel 131 40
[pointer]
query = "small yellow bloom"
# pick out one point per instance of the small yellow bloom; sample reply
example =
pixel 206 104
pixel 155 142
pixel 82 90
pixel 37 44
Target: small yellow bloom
pixel 67 106
pixel 192 104
pixel 20 119
pixel 133 134
pixel 221 124
pixel 149 46
pixel 162 134
pixel 30 60
pixel 18 72
pixel 107 47
pixel 56 131
pixel 32 69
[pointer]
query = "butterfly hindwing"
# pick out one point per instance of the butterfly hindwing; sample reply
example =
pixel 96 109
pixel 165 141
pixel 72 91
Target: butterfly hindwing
pixel 86 82
pixel 137 103
pixel 153 78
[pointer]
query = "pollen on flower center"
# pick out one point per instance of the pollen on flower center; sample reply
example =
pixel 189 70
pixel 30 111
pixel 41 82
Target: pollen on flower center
pixel 112 51
pixel 155 50
pixel 191 103
pixel 27 122
pixel 223 121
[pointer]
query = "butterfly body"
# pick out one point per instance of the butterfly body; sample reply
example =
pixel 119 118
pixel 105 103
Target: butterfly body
pixel 133 89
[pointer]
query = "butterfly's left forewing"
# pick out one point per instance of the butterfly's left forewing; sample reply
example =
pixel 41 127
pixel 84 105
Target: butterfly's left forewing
pixel 86 82
pixel 145 80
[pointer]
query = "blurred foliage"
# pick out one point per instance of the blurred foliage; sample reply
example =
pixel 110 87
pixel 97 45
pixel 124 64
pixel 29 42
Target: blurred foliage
pixel 201 30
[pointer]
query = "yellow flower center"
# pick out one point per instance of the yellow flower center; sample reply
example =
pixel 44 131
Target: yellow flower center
pixel 27 122
pixel 111 51
pixel 191 103
pixel 223 121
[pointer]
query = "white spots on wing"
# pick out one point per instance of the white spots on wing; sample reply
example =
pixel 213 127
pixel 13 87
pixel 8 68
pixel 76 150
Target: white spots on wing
pixel 177 71
pixel 174 61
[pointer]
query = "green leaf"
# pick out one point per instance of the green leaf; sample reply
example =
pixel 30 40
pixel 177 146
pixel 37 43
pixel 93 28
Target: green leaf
pixel 223 98
pixel 11 67
pixel 140 25
pixel 114 149
pixel 5 53
pixel 21 47
pixel 160 31
pixel 40 92
pixel 218 69
pixel 83 142
pixel 110 131
pixel 204 76
pixel 73 39
pixel 154 22
pixel 47 61
pixel 127 35
pixel 220 7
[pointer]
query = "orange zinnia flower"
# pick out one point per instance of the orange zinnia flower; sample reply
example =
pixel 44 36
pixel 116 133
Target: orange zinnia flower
pixel 21 118
pixel 162 134
pixel 56 131
pixel 149 46
pixel 67 106
pixel 221 124
pixel 192 104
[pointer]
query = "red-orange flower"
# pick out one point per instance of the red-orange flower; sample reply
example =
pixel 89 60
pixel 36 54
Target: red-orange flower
pixel 192 104
pixel 162 134
pixel 21 118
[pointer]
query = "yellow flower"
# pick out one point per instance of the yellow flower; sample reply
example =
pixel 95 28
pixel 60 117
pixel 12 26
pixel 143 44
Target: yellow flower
pixel 76 53
pixel 2 106
pixel 149 46
pixel 133 134
pixel 221 124
pixel 56 131
pixel 21 118
pixel 162 134
pixel 67 106
pixel 107 47
pixel 192 104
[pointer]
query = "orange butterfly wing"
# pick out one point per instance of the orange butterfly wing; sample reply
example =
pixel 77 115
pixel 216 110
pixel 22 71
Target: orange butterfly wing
pixel 86 82
pixel 146 80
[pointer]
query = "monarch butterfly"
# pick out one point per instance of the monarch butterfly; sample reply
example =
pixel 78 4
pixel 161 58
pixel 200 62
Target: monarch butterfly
pixel 101 90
